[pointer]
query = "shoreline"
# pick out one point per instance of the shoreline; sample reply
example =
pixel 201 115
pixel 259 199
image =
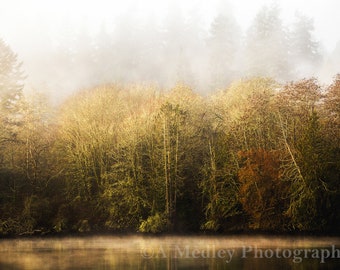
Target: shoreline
pixel 54 235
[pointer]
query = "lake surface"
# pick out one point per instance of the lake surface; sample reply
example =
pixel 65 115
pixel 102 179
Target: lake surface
pixel 194 252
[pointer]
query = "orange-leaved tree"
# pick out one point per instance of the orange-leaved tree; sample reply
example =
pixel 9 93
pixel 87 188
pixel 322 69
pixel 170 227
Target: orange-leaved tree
pixel 262 193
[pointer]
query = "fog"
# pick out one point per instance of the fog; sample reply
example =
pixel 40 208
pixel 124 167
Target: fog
pixel 70 45
pixel 170 252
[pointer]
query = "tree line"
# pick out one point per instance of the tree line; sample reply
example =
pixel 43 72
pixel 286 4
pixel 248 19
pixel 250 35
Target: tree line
pixel 204 55
pixel 258 155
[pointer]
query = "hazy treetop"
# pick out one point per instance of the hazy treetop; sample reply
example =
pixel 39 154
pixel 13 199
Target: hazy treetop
pixel 67 45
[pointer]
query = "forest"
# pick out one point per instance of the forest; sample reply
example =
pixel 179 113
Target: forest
pixel 259 155
pixel 207 55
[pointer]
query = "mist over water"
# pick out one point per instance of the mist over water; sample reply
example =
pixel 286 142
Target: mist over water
pixel 137 252
pixel 67 47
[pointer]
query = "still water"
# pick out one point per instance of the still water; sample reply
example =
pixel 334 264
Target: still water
pixel 194 252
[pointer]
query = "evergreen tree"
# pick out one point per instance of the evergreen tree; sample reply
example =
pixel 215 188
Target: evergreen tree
pixel 266 49
pixel 223 45
pixel 11 80
pixel 11 85
pixel 331 64
pixel 305 51
pixel 175 49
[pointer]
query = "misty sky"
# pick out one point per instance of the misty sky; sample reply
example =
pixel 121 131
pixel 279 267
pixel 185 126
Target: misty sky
pixel 32 27
pixel 19 15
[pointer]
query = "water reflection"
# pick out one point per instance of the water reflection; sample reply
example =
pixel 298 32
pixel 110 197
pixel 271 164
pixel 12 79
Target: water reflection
pixel 138 252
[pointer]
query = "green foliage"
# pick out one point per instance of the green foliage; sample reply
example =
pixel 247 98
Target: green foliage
pixel 154 224
pixel 126 206
pixel 256 156
pixel 309 195
pixel 218 186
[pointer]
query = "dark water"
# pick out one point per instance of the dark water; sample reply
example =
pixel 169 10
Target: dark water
pixel 137 252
